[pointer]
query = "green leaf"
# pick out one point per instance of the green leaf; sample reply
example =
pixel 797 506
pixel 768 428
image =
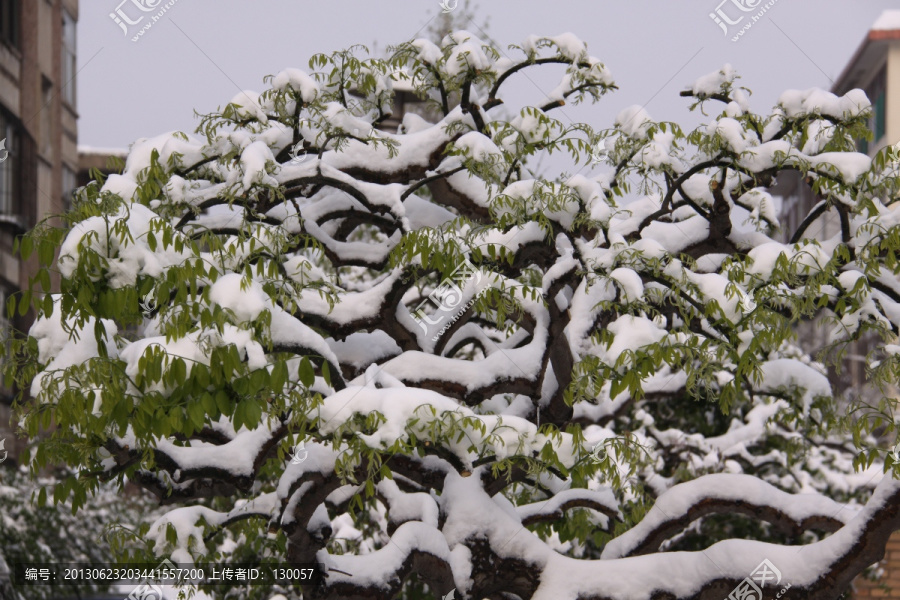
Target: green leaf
pixel 208 403
pixel 279 376
pixel 306 373
pixel 252 414
pixel 197 414
pixel 326 372
pixel 223 402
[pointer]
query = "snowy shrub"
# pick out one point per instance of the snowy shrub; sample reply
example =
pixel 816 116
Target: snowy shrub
pixel 53 535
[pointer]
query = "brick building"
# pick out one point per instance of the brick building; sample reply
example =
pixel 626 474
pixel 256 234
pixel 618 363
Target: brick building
pixel 38 125
pixel 888 583
pixel 875 68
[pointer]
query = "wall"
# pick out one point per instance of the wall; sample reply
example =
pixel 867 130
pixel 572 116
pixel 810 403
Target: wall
pixel 890 576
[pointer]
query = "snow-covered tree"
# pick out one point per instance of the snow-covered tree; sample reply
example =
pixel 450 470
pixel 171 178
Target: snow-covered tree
pixel 407 359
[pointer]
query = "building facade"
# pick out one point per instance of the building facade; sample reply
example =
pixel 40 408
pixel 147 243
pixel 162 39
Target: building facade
pixel 39 133
pixel 874 68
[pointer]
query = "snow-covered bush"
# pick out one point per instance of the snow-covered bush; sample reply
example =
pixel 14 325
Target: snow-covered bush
pixel 31 531
pixel 511 385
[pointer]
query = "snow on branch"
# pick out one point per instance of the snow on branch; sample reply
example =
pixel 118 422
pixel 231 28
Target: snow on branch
pixel 744 494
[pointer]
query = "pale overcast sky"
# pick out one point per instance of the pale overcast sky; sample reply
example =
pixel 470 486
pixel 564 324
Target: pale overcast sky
pixel 203 52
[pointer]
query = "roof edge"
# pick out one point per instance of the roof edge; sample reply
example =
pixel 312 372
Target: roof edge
pixel 874 35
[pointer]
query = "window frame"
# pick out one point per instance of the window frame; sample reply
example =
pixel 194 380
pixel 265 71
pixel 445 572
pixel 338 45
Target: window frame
pixel 10 171
pixel 69 59
pixel 877 93
pixel 11 24
pixel 69 178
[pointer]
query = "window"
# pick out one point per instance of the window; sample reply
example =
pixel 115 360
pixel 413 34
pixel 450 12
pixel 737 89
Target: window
pixel 46 119
pixel 880 115
pixel 68 58
pixel 5 325
pixel 6 335
pixel 69 184
pixel 877 92
pixel 9 180
pixel 10 11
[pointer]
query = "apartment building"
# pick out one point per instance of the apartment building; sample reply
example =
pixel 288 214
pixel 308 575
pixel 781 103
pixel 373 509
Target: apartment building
pixel 874 68
pixel 38 131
